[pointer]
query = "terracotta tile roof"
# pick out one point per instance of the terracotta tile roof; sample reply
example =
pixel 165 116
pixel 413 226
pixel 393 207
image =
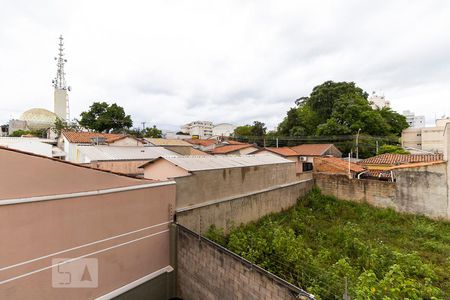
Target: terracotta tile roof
pixel 398 159
pixel 415 165
pixel 312 149
pixel 231 142
pixel 230 148
pixel 335 165
pixel 85 137
pixel 283 151
pixel 194 151
pixel 201 142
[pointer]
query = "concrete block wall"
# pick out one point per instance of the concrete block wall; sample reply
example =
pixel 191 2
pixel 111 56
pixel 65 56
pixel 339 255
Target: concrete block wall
pixel 208 271
pixel 210 185
pixel 421 190
pixel 243 209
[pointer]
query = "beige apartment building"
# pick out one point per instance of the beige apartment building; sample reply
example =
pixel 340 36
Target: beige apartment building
pixel 429 139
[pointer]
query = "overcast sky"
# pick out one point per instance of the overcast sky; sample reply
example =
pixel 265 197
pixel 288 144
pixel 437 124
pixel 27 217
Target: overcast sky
pixel 170 62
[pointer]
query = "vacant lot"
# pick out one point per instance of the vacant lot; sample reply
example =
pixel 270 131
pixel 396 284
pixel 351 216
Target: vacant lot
pixel 323 241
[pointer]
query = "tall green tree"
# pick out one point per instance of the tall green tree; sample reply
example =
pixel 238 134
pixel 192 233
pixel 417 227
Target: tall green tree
pixel 258 128
pixel 339 108
pixel 152 132
pixel 103 117
pixel 244 130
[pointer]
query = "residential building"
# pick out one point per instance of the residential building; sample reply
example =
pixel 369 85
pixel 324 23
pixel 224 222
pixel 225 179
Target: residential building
pixel 125 160
pixel 413 120
pixel 69 140
pixel 378 102
pixel 233 149
pixel 223 129
pixel 287 153
pixel 114 229
pixel 206 129
pixel 203 145
pixel 303 155
pixel 200 129
pixel 336 165
pixel 429 139
pixel 312 150
pixel 180 147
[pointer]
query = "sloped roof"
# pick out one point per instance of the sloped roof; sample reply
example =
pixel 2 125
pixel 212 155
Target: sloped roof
pixel 283 151
pixel 167 142
pixel 397 159
pixel 50 176
pixel 194 151
pixel 333 163
pixel 86 137
pixel 108 153
pixel 211 162
pixel 202 142
pixel 312 149
pixel 230 148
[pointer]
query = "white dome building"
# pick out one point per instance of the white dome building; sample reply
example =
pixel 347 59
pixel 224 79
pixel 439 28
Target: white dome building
pixel 38 118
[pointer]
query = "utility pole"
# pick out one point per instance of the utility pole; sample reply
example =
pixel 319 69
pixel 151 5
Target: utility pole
pixel 143 126
pixel 357 145
pixel 377 146
pixel 277 142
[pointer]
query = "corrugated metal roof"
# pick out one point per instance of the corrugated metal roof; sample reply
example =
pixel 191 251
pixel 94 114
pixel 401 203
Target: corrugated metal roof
pixel 231 148
pixel 201 163
pixel 105 153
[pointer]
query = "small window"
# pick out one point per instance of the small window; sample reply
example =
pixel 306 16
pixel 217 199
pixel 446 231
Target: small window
pixel 419 134
pixel 307 167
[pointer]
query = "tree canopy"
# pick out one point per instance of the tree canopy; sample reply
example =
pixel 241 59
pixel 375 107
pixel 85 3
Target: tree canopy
pixel 257 129
pixel 103 117
pixel 339 108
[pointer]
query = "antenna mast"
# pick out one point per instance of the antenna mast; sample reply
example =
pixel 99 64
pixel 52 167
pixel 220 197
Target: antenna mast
pixel 59 83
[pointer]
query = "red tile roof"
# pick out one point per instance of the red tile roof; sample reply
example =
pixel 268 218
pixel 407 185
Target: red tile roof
pixel 398 159
pixel 230 148
pixel 312 149
pixel 201 142
pixel 283 151
pixel 86 137
pixel 334 164
pixel 231 142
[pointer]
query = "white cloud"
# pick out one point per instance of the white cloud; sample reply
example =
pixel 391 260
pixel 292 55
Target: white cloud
pixel 170 62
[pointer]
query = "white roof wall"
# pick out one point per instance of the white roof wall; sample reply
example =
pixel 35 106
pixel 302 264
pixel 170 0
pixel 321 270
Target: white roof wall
pixel 201 163
pixel 90 153
pixel 32 145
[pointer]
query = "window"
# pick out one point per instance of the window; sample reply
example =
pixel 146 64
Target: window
pixel 307 167
pixel 419 134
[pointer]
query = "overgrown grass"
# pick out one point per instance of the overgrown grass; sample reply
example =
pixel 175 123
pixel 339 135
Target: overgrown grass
pixel 323 240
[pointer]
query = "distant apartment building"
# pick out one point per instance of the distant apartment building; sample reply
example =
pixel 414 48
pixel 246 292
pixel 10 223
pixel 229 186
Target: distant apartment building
pixel 202 129
pixel 378 102
pixel 413 120
pixel 206 129
pixel 429 139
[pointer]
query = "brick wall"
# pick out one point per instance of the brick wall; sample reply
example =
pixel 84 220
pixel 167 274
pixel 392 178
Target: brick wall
pixel 208 271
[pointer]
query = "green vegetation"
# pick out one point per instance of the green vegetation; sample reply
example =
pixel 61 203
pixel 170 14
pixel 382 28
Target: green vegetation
pixel 323 240
pixel 42 133
pixel 340 108
pixel 392 149
pixel 102 117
